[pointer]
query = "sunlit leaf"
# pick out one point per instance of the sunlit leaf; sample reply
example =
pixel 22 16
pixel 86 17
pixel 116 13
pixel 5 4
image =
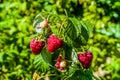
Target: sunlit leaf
pixel 40 64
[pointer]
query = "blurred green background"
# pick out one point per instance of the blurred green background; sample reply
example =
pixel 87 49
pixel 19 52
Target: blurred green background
pixel 16 30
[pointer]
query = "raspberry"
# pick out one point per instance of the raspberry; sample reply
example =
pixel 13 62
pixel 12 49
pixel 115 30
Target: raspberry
pixel 54 43
pixel 63 64
pixel 57 64
pixel 62 68
pixel 60 64
pixel 59 58
pixel 58 61
pixel 85 59
pixel 36 46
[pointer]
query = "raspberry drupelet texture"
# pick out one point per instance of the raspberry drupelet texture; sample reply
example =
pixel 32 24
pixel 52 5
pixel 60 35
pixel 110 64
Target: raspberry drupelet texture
pixel 53 43
pixel 36 46
pixel 85 59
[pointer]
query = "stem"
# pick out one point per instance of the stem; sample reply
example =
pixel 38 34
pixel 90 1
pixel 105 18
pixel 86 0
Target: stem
pixel 82 49
pixel 40 16
pixel 66 12
pixel 48 76
pixel 49 15
pixel 63 54
pixel 61 26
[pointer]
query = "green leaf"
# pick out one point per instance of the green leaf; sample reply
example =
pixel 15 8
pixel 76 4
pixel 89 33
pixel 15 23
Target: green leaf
pixel 78 31
pixel 73 29
pixel 77 75
pixel 79 41
pixel 68 51
pixel 81 75
pixel 37 21
pixel 64 2
pixel 46 56
pixel 1 56
pixel 74 56
pixel 73 68
pixel 117 34
pixel 86 29
pixel 88 73
pixel 40 64
pixel 55 56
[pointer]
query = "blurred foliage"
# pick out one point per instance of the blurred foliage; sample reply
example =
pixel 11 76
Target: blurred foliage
pixel 16 30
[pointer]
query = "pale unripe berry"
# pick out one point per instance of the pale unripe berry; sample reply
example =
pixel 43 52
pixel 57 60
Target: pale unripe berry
pixel 63 64
pixel 44 24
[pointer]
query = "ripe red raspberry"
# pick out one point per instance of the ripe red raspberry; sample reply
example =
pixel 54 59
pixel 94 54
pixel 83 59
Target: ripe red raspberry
pixel 36 46
pixel 53 43
pixel 85 59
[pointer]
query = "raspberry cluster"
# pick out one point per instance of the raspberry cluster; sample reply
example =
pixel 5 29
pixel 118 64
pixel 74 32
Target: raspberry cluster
pixel 60 64
pixel 53 43
pixel 85 59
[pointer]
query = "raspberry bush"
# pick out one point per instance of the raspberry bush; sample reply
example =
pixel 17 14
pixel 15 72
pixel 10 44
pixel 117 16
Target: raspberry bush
pixel 63 54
